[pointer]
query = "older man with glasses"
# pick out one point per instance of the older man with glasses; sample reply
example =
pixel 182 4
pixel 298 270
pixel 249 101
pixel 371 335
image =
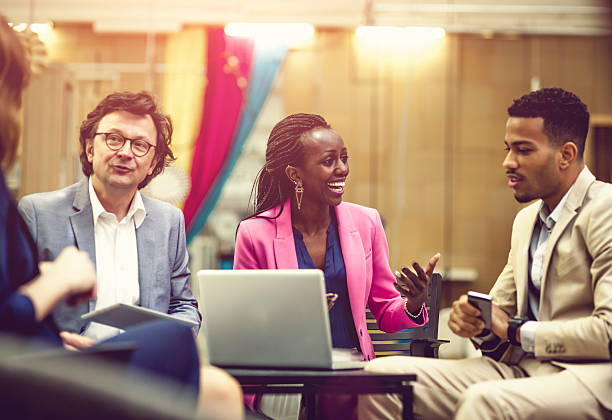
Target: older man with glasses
pixel 137 243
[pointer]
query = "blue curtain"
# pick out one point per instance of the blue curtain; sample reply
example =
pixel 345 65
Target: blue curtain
pixel 267 61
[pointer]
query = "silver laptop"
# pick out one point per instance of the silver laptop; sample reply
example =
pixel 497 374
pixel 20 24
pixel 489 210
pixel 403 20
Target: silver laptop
pixel 267 319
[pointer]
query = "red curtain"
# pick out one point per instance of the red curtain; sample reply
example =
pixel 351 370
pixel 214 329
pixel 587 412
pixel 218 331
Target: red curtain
pixel 227 72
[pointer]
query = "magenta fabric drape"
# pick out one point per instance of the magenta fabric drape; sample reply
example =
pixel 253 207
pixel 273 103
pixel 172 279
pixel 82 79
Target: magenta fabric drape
pixel 227 72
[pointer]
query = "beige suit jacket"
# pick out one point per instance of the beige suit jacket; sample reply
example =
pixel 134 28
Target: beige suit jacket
pixel 575 315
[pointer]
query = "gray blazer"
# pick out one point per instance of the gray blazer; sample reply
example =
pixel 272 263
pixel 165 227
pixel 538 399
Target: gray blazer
pixel 64 217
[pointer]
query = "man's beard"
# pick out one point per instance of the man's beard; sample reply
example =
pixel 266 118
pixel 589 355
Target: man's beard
pixel 523 199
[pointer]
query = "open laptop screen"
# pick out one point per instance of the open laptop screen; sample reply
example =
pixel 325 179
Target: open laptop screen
pixel 265 318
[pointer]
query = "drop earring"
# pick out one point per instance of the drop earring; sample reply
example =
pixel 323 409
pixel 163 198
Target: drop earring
pixel 299 193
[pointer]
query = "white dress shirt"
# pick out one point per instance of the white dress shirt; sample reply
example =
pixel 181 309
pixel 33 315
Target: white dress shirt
pixel 116 259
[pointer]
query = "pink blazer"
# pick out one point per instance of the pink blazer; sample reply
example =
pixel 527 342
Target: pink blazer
pixel 263 243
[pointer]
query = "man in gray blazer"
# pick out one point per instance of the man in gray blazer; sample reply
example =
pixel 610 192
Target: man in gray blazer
pixel 137 243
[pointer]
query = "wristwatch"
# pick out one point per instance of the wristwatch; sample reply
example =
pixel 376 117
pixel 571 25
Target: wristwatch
pixel 513 325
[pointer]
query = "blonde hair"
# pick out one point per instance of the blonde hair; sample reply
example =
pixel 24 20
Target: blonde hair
pixel 14 76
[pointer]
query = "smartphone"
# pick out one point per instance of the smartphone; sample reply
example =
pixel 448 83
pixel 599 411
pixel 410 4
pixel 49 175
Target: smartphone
pixel 481 301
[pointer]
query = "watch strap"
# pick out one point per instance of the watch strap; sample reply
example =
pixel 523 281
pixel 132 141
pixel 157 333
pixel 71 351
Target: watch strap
pixel 513 325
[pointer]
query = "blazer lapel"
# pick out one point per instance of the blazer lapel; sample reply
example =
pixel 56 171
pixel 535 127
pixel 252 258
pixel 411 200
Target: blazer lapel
pixel 522 262
pixel 145 246
pixel 82 225
pixel 354 258
pixel 569 212
pixel 284 246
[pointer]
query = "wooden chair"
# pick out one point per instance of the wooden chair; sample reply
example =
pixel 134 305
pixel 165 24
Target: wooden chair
pixel 422 341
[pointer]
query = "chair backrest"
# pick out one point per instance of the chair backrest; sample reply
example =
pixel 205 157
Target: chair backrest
pixel 401 342
pixel 81 386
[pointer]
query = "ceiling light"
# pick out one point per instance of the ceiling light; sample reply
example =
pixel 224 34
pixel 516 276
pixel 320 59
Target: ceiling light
pixel 43 30
pixel 395 36
pixel 290 34
pixel 144 26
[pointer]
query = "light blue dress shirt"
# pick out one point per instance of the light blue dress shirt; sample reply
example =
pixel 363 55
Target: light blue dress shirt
pixel 537 254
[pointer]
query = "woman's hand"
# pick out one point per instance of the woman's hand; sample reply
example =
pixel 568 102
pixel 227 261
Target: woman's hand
pixel 414 285
pixel 71 276
pixel 74 273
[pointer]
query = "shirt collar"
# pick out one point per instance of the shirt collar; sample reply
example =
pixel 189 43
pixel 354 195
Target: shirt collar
pixel 550 218
pixel 136 210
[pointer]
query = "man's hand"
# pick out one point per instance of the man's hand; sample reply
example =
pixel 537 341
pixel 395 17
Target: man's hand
pixel 499 322
pixel 414 285
pixel 75 342
pixel 464 321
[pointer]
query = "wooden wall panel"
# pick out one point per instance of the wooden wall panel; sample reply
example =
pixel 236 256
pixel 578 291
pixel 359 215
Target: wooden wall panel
pixel 48 158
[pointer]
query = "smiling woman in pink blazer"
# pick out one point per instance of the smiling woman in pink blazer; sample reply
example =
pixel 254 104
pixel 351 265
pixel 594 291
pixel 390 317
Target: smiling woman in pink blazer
pixel 300 221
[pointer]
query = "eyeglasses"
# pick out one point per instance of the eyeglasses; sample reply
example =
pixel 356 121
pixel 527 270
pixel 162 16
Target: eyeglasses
pixel 115 141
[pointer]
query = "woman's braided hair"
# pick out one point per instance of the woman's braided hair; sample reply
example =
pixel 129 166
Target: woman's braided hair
pixel 285 147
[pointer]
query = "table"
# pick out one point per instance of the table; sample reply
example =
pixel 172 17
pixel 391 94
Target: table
pixel 311 382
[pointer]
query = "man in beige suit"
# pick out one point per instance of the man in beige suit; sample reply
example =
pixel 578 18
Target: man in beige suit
pixel 546 355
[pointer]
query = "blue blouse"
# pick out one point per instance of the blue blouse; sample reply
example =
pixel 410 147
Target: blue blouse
pixel 340 316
